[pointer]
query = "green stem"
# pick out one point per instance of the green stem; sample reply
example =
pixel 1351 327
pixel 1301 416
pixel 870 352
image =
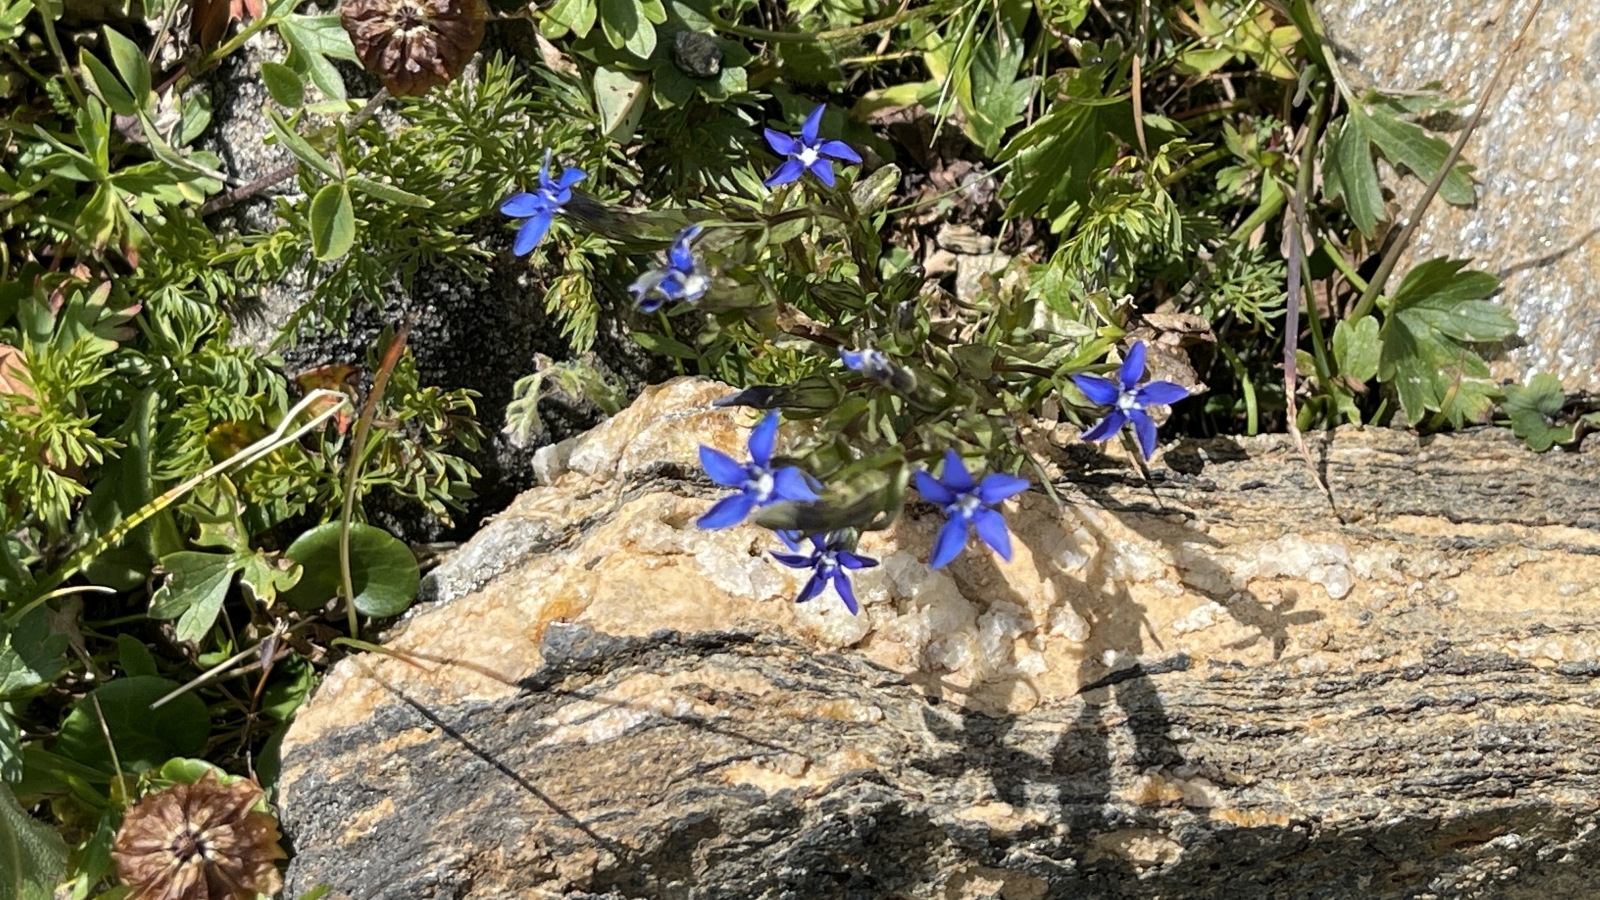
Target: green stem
pixel 61 58
pixel 1343 265
pixel 358 446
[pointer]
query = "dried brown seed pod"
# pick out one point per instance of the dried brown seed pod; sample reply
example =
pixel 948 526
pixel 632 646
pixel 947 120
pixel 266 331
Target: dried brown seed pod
pixel 199 841
pixel 414 45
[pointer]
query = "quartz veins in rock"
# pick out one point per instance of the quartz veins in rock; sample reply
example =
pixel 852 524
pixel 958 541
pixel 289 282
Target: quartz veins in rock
pixel 413 45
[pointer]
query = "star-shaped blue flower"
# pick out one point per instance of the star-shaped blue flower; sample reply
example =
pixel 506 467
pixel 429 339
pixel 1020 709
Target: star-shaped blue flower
pixel 829 560
pixel 541 207
pixel 758 483
pixel 682 278
pixel 808 153
pixel 1128 400
pixel 967 504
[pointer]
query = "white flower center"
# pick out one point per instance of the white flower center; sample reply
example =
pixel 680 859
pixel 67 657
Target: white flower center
pixel 1127 401
pixel 966 505
pixel 763 484
pixel 807 156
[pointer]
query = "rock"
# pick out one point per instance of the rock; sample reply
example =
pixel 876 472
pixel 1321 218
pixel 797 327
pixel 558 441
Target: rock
pixel 963 239
pixel 1207 686
pixel 1537 219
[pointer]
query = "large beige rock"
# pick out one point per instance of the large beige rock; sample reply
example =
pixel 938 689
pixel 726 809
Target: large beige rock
pixel 1537 221
pixel 1205 686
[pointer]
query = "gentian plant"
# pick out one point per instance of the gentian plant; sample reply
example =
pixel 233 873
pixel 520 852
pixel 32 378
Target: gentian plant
pixel 831 559
pixel 682 278
pixel 968 506
pixel 541 206
pixel 758 483
pixel 1128 400
pixel 808 153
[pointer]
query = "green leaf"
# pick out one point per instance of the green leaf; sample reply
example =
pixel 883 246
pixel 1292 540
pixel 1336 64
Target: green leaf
pixel 284 84
pixel 10 746
pixel 622 99
pixel 267 578
pixel 292 681
pixel 387 192
pixel 383 570
pixel 1407 144
pixel 31 655
pixel 135 656
pixel 1351 155
pixel 1532 407
pixel 130 63
pixel 576 16
pixel 666 346
pixel 312 40
pixel 998 97
pixel 197 584
pixel 1355 347
pixel 299 146
pixel 624 25
pixel 123 488
pixel 104 85
pixel 144 737
pixel 333 222
pixel 33 858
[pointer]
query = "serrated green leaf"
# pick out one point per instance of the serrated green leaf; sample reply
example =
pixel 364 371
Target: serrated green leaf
pixel 1355 348
pixel 1531 408
pixel 130 63
pixel 387 192
pixel 1358 177
pixel 267 577
pixel 31 655
pixel 996 98
pixel 1442 279
pixel 383 570
pixel 33 858
pixel 284 84
pixel 299 146
pixel 196 586
pixel 1407 144
pixel 333 222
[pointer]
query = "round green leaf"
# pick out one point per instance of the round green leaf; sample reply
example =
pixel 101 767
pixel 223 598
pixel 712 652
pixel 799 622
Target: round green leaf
pixel 382 570
pixel 145 738
pixel 284 84
pixel 333 222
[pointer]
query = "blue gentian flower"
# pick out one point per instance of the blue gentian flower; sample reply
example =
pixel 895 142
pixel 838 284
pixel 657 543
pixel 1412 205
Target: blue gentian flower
pixel 682 278
pixel 758 483
pixel 808 153
pixel 967 505
pixel 829 560
pixel 541 207
pixel 1128 399
pixel 871 363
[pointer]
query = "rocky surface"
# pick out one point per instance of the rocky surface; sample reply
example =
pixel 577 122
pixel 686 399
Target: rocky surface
pixel 1537 221
pixel 1209 685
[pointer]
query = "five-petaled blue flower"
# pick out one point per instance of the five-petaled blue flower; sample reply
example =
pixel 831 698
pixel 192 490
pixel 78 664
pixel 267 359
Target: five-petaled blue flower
pixel 682 278
pixel 540 207
pixel 758 484
pixel 829 561
pixel 1128 399
pixel 808 153
pixel 967 504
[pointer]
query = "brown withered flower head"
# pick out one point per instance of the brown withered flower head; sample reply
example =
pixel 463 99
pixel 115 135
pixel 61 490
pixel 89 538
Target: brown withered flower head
pixel 414 45
pixel 199 841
